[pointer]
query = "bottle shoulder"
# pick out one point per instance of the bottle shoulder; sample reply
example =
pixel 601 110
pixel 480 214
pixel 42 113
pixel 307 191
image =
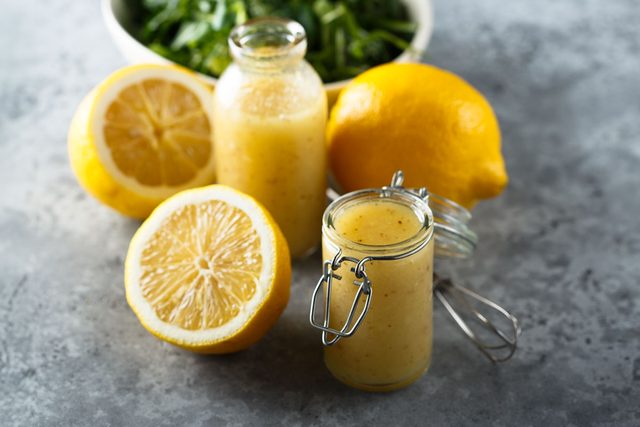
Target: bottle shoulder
pixel 283 91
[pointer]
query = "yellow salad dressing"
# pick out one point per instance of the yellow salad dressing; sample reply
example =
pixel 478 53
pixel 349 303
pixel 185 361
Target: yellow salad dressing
pixel 270 111
pixel 392 347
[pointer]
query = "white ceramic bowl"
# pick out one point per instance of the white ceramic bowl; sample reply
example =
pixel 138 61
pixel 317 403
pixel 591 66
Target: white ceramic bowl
pixel 117 17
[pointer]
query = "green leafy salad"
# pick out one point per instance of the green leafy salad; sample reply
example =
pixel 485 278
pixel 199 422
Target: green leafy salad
pixel 345 37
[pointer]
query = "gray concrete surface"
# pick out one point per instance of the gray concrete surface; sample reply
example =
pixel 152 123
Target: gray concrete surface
pixel 561 247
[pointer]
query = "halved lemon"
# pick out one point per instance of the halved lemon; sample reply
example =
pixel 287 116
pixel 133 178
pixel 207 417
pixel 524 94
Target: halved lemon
pixel 141 135
pixel 208 271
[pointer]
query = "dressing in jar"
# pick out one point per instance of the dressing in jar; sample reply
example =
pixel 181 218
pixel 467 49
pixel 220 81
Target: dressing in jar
pixel 378 279
pixel 393 345
pixel 270 111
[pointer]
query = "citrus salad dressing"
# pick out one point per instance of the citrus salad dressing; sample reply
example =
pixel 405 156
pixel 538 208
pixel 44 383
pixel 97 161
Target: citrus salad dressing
pixel 270 112
pixel 392 347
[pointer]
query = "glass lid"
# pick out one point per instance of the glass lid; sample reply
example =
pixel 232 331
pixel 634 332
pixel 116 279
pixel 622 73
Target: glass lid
pixel 453 237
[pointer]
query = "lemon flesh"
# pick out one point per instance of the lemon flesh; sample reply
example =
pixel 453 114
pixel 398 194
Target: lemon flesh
pixel 158 133
pixel 201 266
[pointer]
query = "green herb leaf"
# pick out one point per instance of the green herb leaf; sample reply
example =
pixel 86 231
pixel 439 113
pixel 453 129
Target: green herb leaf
pixel 345 37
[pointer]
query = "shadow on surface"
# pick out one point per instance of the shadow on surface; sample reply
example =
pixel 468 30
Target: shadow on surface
pixel 289 358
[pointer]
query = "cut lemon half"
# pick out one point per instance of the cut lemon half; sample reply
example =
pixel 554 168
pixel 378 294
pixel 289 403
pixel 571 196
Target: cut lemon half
pixel 208 271
pixel 141 135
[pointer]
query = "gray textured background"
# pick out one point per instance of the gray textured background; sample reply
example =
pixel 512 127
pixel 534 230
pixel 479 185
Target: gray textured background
pixel 561 247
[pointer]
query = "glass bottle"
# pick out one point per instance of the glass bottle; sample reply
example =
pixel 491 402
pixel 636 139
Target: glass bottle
pixel 270 111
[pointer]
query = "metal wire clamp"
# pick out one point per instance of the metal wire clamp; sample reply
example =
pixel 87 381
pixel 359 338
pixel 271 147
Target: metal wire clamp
pixel 364 288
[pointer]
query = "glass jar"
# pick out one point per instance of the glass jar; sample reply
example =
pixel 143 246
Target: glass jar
pixel 378 279
pixel 270 111
pixel 385 235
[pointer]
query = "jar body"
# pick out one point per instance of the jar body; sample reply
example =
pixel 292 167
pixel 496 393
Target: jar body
pixel 269 141
pixel 392 346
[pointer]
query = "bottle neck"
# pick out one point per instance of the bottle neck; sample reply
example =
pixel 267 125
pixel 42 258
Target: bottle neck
pixel 268 44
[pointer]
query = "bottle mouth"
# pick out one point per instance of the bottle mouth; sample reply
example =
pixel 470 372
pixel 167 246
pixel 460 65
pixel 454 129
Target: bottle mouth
pixel 268 39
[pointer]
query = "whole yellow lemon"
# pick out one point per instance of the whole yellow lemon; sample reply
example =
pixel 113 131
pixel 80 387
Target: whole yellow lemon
pixel 424 120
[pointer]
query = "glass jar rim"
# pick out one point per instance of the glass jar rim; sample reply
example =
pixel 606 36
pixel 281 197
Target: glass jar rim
pixel 288 39
pixel 412 200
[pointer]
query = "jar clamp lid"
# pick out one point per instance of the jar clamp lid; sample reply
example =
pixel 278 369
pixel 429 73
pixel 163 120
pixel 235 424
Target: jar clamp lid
pixel 453 238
